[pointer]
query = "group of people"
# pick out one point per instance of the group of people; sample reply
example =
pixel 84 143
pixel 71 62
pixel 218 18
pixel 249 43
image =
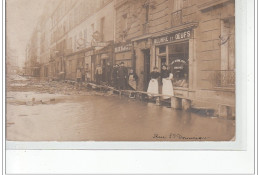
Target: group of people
pixel 116 76
pixel 164 78
pixel 119 77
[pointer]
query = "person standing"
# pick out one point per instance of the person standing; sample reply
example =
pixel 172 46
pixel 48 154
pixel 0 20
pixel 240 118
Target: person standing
pixel 78 75
pixel 87 73
pixel 108 73
pixel 122 76
pixel 132 82
pixel 153 86
pixel 83 74
pixel 114 76
pixel 98 74
pixel 132 79
pixel 167 88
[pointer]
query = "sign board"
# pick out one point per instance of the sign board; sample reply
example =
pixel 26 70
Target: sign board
pixel 173 37
pixel 123 47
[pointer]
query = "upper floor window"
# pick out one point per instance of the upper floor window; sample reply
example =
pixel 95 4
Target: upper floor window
pixel 176 16
pixel 102 25
pixel 176 5
pixel 124 22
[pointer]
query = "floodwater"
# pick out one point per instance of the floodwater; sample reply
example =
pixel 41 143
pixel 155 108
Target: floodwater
pixel 101 117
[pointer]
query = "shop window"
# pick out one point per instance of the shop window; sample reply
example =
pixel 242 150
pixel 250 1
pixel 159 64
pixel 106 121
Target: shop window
pixel 179 63
pixel 162 49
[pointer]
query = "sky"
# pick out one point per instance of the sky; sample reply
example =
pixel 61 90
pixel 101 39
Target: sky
pixel 21 18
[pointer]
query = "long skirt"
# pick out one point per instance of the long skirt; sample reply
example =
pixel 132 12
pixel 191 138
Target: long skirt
pixel 167 88
pixel 132 83
pixel 153 87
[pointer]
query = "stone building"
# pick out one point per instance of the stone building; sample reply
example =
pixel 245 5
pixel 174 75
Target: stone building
pixel 90 41
pixel 73 26
pixel 33 53
pixel 195 38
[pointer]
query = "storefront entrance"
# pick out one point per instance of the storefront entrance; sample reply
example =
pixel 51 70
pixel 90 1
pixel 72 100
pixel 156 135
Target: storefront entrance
pixel 176 57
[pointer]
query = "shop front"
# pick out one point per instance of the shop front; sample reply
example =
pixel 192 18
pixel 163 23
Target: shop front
pixel 90 65
pixel 143 60
pixel 123 53
pixel 176 50
pixel 72 63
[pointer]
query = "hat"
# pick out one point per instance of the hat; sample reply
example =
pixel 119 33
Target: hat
pixel 122 62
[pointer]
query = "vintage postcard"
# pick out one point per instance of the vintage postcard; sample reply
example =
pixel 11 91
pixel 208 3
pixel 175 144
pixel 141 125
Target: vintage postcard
pixel 121 70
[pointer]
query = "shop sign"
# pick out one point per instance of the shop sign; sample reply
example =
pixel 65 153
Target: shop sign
pixel 178 64
pixel 173 37
pixel 123 48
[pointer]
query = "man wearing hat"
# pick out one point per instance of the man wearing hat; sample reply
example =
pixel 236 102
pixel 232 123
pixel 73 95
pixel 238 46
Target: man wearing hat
pixel 122 76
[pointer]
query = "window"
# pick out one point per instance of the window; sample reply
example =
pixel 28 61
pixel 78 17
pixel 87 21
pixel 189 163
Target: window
pixel 85 36
pixel 179 63
pixel 176 5
pixel 176 16
pixel 226 76
pixel 102 24
pixel 146 13
pixel 124 22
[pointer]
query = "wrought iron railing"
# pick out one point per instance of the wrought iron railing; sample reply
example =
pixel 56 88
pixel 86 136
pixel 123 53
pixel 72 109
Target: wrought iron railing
pixel 223 78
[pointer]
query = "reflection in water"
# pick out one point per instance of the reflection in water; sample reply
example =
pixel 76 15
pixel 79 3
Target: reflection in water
pixel 109 118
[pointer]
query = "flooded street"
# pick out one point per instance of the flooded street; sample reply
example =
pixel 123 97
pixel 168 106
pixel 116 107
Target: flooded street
pixel 83 115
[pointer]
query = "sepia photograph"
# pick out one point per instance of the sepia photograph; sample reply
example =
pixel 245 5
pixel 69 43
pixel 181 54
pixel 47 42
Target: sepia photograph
pixel 120 70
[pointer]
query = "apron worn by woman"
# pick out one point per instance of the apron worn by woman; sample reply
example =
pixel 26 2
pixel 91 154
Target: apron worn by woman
pixel 132 80
pixel 167 88
pixel 153 86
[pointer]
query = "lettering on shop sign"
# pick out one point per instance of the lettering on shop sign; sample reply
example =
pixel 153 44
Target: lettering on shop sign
pixel 180 65
pixel 173 37
pixel 123 48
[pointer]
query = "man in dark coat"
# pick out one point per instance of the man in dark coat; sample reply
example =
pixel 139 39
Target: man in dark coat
pixel 114 75
pixel 122 76
pixel 108 71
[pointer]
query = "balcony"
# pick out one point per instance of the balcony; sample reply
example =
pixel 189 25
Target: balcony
pixel 223 79
pixel 176 18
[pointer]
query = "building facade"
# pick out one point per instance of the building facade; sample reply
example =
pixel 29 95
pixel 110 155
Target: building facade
pixel 194 38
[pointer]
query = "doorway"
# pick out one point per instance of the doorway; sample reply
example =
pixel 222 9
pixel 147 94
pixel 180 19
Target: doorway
pixel 146 53
pixel 162 61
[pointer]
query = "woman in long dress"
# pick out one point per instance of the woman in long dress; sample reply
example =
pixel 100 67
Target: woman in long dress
pixel 132 82
pixel 167 88
pixel 132 79
pixel 153 86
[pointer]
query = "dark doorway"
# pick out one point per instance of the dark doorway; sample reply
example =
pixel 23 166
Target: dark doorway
pixel 146 68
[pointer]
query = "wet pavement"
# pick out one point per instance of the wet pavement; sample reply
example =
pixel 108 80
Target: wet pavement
pixel 43 111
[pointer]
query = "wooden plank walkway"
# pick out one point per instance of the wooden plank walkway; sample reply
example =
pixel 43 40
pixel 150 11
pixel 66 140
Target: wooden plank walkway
pixel 121 92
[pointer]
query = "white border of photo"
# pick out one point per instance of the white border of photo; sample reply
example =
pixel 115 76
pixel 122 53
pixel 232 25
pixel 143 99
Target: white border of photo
pixel 235 157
